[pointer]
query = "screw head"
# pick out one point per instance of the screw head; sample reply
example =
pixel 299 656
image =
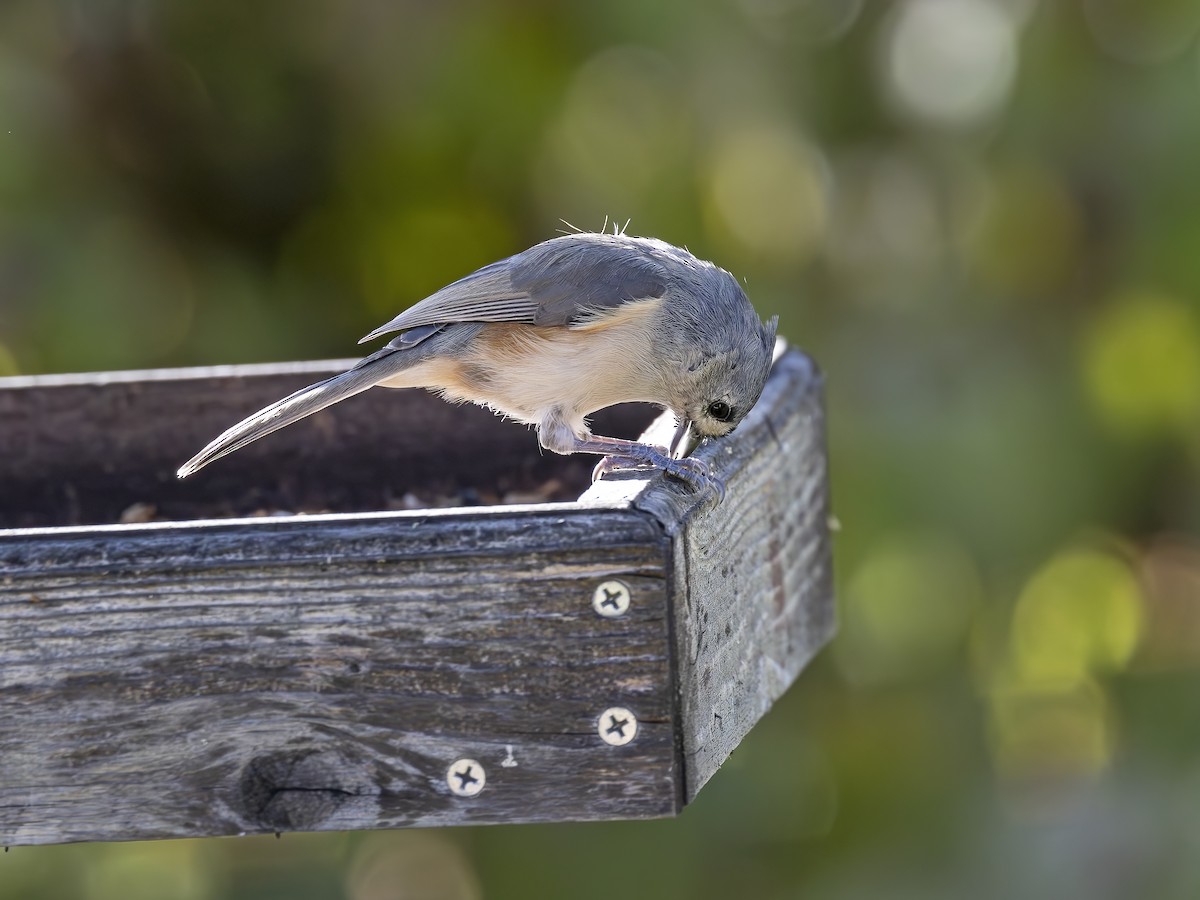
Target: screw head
pixel 611 598
pixel 617 726
pixel 465 777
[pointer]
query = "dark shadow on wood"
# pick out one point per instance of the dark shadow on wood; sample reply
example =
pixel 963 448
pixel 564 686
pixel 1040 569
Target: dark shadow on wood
pixel 81 449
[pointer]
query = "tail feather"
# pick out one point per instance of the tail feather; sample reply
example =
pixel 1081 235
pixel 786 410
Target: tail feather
pixel 281 413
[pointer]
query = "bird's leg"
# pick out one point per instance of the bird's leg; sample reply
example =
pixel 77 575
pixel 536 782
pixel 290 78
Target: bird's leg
pixel 556 434
pixel 622 455
pixel 630 455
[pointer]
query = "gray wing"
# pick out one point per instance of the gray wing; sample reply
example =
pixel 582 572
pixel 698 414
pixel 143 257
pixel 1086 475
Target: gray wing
pixel 556 282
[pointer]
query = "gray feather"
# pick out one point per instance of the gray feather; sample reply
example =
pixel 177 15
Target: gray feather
pixel 557 282
pixel 379 366
pixel 708 340
pixel 578 275
pixel 486 295
pixel 283 412
pixel 408 339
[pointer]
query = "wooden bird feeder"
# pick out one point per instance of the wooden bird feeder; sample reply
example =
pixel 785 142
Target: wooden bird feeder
pixel 213 667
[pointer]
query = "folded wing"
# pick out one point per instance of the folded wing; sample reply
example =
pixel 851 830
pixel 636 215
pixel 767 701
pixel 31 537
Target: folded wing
pixel 562 281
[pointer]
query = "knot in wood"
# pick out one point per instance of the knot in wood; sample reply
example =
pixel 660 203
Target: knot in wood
pixel 299 789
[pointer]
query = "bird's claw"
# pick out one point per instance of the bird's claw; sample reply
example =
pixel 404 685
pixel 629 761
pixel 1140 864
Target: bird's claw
pixel 689 470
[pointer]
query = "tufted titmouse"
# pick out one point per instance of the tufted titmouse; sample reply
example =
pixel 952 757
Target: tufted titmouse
pixel 567 327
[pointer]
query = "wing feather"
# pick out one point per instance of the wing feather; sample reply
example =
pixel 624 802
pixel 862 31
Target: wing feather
pixel 486 295
pixel 557 282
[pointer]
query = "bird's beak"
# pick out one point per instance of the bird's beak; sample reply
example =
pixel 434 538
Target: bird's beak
pixel 682 440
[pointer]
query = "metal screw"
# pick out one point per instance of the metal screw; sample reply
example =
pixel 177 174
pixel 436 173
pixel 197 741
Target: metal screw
pixel 611 599
pixel 465 777
pixel 617 726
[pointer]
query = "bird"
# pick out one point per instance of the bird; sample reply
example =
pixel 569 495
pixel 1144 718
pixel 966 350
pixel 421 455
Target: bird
pixel 552 334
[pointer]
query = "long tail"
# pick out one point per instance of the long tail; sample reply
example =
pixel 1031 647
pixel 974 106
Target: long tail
pixel 304 402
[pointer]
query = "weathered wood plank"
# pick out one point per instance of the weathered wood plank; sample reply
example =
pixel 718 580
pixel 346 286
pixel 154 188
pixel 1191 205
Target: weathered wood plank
pixel 80 449
pixel 752 579
pixel 187 680
pixel 754 574
pixel 203 677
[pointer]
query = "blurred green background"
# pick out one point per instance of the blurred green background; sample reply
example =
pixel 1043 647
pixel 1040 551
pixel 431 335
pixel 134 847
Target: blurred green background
pixel 980 216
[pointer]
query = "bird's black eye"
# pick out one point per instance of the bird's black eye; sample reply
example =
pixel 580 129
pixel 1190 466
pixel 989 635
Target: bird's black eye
pixel 720 410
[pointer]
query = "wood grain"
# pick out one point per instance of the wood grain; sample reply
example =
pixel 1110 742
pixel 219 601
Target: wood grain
pixel 258 676
pixel 756 572
pixel 205 677
pixel 752 581
pixel 80 449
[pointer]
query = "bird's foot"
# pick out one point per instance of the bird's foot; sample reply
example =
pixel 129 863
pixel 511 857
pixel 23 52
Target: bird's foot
pixel 692 472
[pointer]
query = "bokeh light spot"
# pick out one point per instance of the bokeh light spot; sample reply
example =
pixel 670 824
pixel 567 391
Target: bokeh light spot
pixel 623 128
pixel 1039 735
pixel 766 194
pixel 907 609
pixel 1141 363
pixel 1079 614
pixel 950 63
